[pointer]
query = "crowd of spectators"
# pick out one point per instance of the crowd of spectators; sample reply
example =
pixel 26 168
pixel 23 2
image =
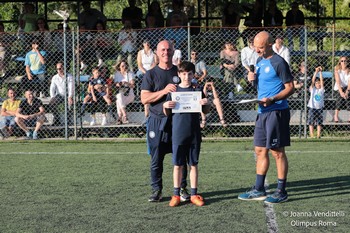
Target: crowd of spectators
pixel 97 45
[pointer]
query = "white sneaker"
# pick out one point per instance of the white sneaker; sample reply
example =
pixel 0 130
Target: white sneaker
pixel 239 88
pixel 93 121
pixel 104 120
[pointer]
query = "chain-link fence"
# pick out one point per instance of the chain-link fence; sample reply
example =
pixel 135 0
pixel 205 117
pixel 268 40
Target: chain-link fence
pixel 224 52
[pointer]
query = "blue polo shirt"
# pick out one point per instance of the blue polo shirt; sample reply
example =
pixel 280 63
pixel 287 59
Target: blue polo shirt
pixel 271 75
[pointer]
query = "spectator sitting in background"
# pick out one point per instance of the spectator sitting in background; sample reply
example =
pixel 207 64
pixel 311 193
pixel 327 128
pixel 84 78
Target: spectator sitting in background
pixel 342 87
pixel 151 32
pixel 8 112
pixel 44 34
pixel 103 43
pixel 35 69
pixel 132 14
pixel 28 19
pixel 146 60
pixel 124 82
pixel 177 6
pixel 273 18
pixel 155 11
pixel 249 55
pixel 84 49
pixel 212 94
pixel 299 80
pixel 295 21
pixel 58 92
pixel 230 21
pixel 229 63
pixel 127 40
pixel 280 49
pixel 6 41
pixel 90 16
pixel 254 19
pixel 31 113
pixel 176 32
pixel 97 89
pixel 200 67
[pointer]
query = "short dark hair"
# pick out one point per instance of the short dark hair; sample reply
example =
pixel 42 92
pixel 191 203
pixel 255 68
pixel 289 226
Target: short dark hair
pixel 186 66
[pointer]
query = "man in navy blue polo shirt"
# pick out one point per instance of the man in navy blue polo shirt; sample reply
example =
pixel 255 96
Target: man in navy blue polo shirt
pixel 274 84
pixel 156 84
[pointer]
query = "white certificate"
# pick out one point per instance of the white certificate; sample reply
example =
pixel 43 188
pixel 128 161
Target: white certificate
pixel 187 101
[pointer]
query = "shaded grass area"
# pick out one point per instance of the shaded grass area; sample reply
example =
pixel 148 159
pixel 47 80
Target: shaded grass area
pixel 104 187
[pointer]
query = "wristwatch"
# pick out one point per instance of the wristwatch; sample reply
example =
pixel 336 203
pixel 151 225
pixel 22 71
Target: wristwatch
pixel 272 99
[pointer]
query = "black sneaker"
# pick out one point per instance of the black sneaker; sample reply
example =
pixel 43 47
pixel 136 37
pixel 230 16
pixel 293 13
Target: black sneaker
pixel 184 195
pixel 156 196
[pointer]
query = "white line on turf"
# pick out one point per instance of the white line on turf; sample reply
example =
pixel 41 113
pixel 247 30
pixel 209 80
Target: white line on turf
pixel 271 222
pixel 143 152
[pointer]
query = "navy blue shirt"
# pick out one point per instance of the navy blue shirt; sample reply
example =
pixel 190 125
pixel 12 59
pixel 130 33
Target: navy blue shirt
pixel 27 109
pixel 155 80
pixel 96 81
pixel 186 126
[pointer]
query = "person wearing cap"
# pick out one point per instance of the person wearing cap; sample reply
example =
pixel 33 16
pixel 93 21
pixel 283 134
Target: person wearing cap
pixel 280 49
pixel 90 16
pixel 35 68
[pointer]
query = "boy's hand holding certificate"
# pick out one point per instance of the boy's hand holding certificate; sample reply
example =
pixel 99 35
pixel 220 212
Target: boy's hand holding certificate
pixel 188 101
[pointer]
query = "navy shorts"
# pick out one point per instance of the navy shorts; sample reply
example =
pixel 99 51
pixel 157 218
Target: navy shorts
pixel 315 116
pixel 272 129
pixel 183 153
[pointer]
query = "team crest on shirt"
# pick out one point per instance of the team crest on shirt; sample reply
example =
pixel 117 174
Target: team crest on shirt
pixel 267 69
pixel 176 79
pixel 152 134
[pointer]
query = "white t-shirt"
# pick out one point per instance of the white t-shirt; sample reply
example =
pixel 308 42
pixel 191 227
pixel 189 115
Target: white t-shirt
pixel 147 60
pixel 119 77
pixel 283 52
pixel 344 79
pixel 248 56
pixel 316 100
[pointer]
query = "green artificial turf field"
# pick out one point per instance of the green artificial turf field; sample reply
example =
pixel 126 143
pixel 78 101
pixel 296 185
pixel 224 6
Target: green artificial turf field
pixel 97 186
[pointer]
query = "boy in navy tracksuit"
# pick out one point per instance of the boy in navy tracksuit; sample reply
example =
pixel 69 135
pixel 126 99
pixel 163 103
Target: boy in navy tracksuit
pixel 186 136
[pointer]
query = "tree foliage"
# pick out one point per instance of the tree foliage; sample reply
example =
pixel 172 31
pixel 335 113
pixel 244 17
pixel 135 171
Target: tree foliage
pixel 113 10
